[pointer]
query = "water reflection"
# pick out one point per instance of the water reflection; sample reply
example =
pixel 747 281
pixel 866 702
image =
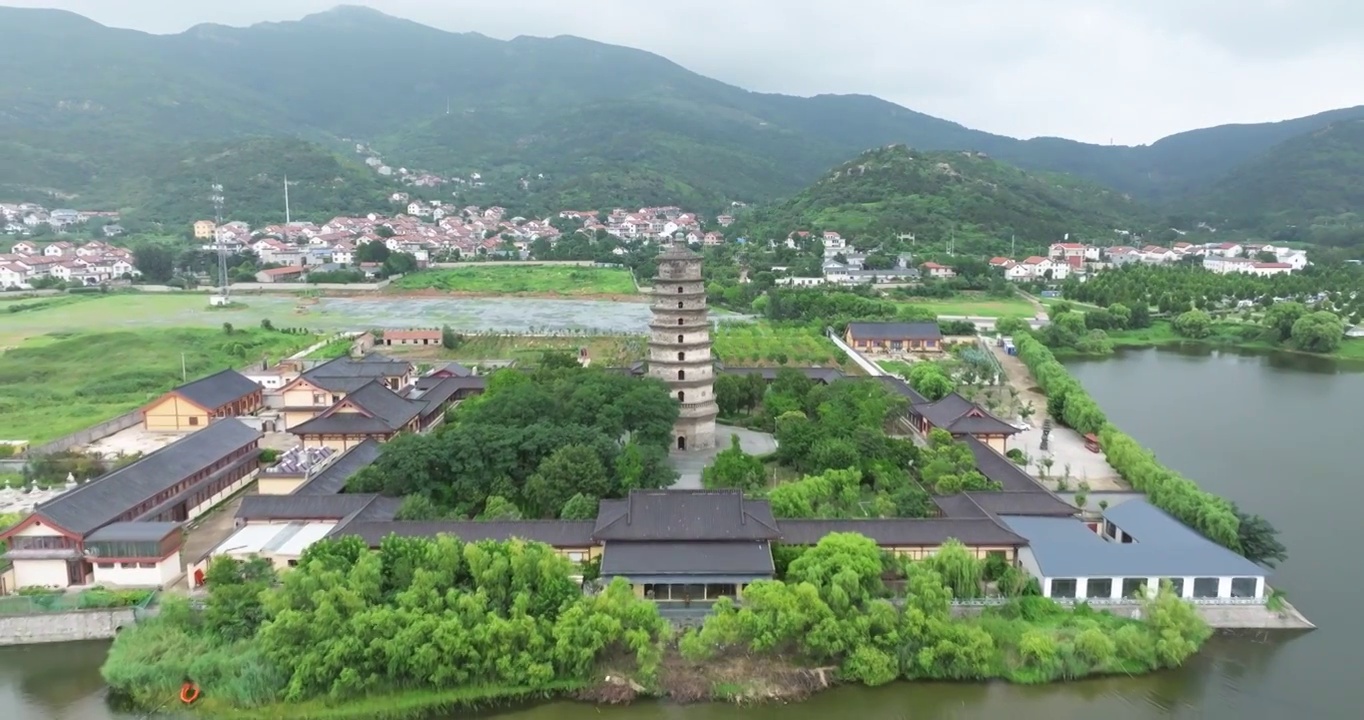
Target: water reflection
pixel 1274 359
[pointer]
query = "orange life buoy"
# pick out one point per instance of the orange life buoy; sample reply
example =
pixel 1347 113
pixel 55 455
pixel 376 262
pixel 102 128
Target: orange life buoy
pixel 189 692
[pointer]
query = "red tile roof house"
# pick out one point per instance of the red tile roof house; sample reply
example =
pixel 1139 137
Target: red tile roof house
pixel 938 271
pixel 411 337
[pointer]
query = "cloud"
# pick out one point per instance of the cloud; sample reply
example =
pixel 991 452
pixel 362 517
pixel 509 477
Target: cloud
pixel 1094 70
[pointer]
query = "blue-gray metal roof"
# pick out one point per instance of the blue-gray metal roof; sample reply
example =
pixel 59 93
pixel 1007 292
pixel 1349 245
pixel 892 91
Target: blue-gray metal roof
pixel 1162 547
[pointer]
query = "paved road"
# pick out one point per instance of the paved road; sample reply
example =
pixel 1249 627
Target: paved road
pixel 689 464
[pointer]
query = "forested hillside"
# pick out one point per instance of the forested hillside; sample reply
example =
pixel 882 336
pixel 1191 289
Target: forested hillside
pixel 1308 189
pixel 549 122
pixel 968 197
pixel 174 186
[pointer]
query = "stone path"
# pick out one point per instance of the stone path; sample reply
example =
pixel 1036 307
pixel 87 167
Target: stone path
pixel 690 464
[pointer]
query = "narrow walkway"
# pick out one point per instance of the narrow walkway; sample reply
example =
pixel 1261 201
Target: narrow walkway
pixel 690 464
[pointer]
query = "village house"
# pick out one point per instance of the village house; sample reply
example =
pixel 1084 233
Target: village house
pixel 1063 250
pixel 1122 255
pixel 195 404
pixel 1223 265
pixel 934 270
pixel 61 248
pixel 894 337
pixel 204 229
pixel 122 529
pixel 1155 254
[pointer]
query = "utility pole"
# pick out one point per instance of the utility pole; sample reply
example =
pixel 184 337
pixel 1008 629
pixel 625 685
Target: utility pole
pixel 217 199
pixel 184 375
pixel 1013 246
pixel 286 199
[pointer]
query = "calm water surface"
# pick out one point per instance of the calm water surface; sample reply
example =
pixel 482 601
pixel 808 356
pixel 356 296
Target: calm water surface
pixel 1277 434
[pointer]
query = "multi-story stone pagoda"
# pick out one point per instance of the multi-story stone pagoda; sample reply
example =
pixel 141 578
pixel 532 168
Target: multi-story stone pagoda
pixel 679 346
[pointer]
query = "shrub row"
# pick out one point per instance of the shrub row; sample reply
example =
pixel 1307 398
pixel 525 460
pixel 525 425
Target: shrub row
pixel 1068 401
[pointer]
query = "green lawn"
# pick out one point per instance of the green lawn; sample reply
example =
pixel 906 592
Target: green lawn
pixel 760 344
pixel 511 279
pixel 1224 334
pixel 896 367
pixel 976 306
pixel 60 384
pixel 134 311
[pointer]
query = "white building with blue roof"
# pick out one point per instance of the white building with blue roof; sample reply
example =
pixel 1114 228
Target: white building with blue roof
pixel 1135 546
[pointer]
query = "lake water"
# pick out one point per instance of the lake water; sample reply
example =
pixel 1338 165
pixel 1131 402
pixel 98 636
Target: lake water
pixel 1275 433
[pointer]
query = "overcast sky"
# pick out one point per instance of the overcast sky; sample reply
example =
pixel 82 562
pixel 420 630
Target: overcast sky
pixel 1126 71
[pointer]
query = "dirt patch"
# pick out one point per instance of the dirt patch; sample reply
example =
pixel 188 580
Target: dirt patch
pixel 737 678
pixel 740 678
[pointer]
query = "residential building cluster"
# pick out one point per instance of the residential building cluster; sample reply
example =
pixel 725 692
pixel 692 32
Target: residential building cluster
pixel 24 218
pixel 433 231
pixel 1067 259
pixel 92 263
pixel 843 265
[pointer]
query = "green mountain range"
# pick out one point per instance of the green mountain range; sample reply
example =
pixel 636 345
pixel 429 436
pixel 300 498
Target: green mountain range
pixel 977 202
pixel 547 122
pixel 1310 187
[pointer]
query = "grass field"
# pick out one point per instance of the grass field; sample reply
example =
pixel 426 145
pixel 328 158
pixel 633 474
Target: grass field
pixel 133 311
pixel 65 383
pixel 760 344
pixel 509 280
pixel 976 306
pixel 1224 335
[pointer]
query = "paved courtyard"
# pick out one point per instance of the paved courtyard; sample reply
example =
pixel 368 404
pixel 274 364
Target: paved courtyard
pixel 1069 459
pixel 1065 448
pixel 690 464
pixel 137 439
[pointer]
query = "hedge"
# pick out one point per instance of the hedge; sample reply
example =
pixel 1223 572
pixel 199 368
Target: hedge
pixel 1068 402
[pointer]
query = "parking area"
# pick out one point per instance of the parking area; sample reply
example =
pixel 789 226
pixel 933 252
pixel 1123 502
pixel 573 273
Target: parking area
pixel 1070 461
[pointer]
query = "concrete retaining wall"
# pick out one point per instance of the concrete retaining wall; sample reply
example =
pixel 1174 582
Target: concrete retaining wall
pixel 88 435
pixel 1219 617
pixel 870 367
pixel 64 627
